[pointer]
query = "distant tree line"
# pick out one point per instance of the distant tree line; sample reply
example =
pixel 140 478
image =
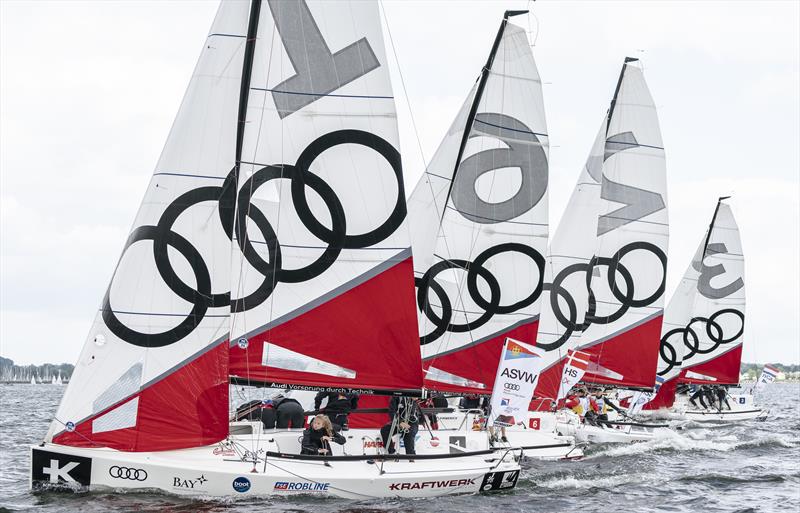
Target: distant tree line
pixel 45 372
pixel 753 370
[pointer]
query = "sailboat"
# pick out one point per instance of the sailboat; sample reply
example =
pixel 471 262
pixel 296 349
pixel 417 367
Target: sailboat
pixel 59 381
pixel 33 380
pixel 703 334
pixel 602 301
pixel 236 272
pixel 479 227
pixel 53 380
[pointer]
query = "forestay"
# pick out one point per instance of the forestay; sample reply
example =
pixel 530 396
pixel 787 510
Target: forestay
pixel 628 271
pixel 479 277
pixel 322 272
pixel 152 374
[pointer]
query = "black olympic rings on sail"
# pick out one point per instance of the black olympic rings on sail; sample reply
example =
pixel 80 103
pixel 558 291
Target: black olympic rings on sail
pixel 626 296
pixel 474 269
pixel 691 339
pixel 301 177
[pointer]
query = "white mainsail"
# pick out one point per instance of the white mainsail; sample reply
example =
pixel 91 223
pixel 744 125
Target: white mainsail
pixel 704 322
pixel 479 223
pixel 322 276
pixel 166 310
pixel 628 271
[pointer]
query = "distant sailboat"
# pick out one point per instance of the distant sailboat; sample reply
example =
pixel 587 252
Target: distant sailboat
pixel 59 380
pixel 701 343
pixel 33 380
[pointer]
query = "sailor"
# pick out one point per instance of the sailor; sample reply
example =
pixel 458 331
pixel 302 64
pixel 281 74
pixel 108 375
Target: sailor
pixel 578 402
pixel 591 410
pixel 470 402
pixel 288 412
pixel 404 416
pixel 257 410
pixel 722 395
pixel 338 407
pixel 700 395
pixel 319 435
pixel 435 400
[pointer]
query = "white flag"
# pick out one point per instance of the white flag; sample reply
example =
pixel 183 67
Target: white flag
pixel 768 375
pixel 574 369
pixel 516 379
pixel 639 399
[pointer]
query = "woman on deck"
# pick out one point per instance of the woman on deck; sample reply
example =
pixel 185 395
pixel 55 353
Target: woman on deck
pixel 319 435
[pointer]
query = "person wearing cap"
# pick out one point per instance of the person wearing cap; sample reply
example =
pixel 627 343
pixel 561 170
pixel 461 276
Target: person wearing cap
pixel 288 412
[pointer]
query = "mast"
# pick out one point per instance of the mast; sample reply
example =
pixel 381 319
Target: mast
pixel 247 71
pixel 616 91
pixel 711 227
pixel 482 79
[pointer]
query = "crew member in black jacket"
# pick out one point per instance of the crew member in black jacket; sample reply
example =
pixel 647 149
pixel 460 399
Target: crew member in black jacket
pixel 288 412
pixel 404 417
pixel 319 435
pixel 338 407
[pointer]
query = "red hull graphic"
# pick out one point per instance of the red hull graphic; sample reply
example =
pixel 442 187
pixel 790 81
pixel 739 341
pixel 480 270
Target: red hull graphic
pixel 187 408
pixel 478 362
pixel 370 329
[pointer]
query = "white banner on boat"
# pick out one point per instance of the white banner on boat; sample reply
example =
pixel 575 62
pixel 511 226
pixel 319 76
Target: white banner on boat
pixel 768 375
pixel 639 399
pixel 516 378
pixel 574 369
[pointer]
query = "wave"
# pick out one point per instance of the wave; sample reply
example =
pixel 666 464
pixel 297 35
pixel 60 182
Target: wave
pixel 673 442
pixel 594 482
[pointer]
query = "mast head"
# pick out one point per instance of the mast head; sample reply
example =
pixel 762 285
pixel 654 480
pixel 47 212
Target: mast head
pixel 510 14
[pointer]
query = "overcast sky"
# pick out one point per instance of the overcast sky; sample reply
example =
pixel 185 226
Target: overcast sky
pixel 88 92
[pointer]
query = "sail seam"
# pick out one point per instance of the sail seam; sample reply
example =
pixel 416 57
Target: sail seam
pixel 511 129
pixel 322 94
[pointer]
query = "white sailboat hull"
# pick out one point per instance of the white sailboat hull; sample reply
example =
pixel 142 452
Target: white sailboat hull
pixel 742 406
pixel 220 471
pixel 537 437
pixel 570 424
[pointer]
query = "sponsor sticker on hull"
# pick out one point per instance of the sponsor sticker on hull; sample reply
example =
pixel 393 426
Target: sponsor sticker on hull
pixel 54 471
pixel 241 484
pixel 505 480
pixel 452 483
pixel 290 486
pixel 189 484
pixel 127 473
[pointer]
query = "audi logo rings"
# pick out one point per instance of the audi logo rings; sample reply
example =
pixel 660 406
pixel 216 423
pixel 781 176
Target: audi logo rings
pixel 511 386
pixel 691 339
pixel 131 474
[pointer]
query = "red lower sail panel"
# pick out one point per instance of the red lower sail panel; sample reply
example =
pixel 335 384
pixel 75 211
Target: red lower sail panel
pixel 365 337
pixel 369 420
pixel 628 359
pixel 722 370
pixel 549 381
pixel 476 363
pixel 187 408
pixel 665 397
